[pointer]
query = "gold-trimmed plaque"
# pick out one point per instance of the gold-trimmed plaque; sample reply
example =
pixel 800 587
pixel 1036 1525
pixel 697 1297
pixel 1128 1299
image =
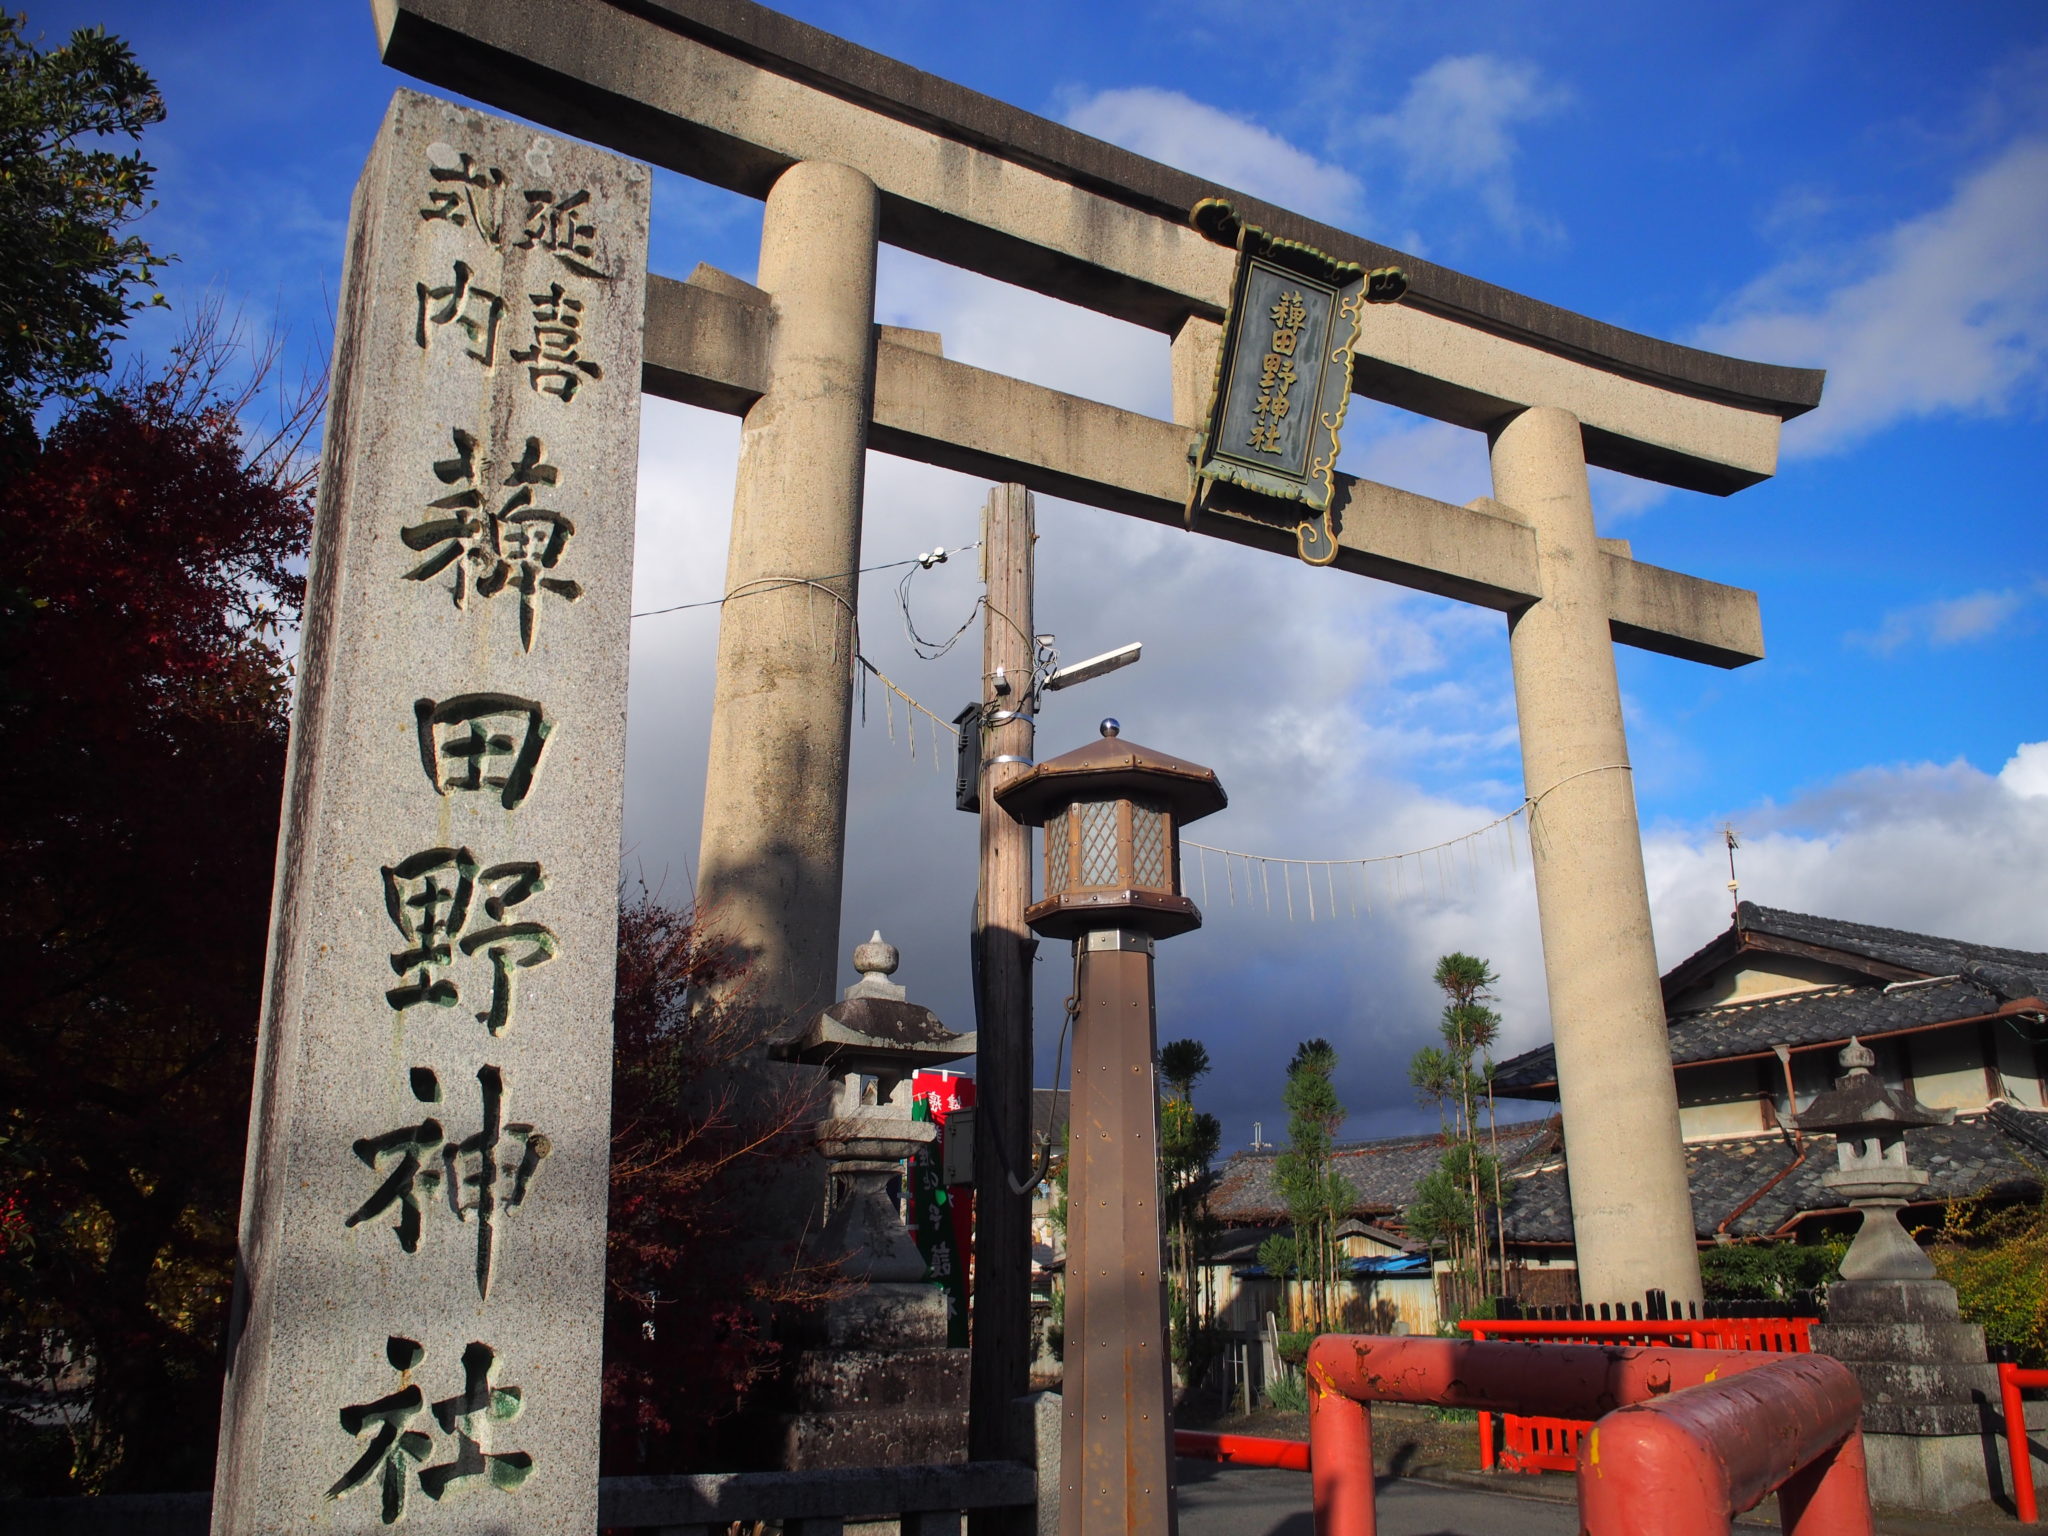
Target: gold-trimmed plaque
pixel 1283 379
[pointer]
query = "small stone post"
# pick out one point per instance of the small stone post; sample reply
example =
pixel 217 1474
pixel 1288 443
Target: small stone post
pixel 1631 1203
pixel 419 1296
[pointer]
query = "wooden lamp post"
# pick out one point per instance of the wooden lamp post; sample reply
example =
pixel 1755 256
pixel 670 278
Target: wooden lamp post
pixel 1112 813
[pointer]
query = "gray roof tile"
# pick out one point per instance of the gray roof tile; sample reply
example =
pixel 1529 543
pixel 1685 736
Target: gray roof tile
pixel 1383 1173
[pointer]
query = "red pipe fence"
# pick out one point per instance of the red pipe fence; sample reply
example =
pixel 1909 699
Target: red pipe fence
pixel 1683 1439
pixel 1242 1450
pixel 1535 1443
pixel 2010 1379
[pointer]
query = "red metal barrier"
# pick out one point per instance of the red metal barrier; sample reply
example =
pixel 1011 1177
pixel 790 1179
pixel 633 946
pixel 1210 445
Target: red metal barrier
pixel 1720 1437
pixel 2010 1379
pixel 1535 1444
pixel 1242 1450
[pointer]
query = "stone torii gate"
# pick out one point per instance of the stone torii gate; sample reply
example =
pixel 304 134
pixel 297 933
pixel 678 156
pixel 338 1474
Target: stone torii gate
pixel 849 148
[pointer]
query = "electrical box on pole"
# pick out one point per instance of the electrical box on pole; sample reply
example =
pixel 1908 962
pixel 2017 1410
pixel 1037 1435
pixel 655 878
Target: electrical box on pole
pixel 956 1154
pixel 967 761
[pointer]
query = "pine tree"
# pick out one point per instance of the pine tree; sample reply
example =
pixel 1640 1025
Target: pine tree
pixel 1317 1195
pixel 1454 1203
pixel 1188 1140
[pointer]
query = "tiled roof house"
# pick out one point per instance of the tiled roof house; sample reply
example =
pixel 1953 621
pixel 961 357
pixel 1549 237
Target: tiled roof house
pixel 1756 1019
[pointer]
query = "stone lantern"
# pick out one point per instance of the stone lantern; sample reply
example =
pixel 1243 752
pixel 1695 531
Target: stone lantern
pixel 1927 1391
pixel 870 1042
pixel 1112 813
pixel 1869 1123
pixel 881 1388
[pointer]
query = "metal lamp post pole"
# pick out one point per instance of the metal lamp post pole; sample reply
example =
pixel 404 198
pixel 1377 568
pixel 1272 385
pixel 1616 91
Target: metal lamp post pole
pixel 1116 1445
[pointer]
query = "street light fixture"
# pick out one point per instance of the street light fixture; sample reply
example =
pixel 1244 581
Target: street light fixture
pixel 1112 811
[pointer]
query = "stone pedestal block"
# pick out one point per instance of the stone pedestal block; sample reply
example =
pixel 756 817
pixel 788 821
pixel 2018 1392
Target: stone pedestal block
pixel 888 1437
pixel 1933 1472
pixel 884 1391
pixel 1929 1398
pixel 861 1378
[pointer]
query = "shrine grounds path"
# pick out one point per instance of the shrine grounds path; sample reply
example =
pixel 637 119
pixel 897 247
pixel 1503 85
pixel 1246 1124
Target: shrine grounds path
pixel 1249 1501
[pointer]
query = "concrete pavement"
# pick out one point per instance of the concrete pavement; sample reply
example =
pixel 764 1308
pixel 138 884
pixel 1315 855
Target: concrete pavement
pixel 1250 1501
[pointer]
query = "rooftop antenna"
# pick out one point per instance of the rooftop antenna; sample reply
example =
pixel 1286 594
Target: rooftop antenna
pixel 1734 887
pixel 1259 1142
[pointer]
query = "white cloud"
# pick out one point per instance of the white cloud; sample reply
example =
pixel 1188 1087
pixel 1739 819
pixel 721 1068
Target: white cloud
pixel 1945 313
pixel 1941 849
pixel 1180 131
pixel 2026 772
pixel 1949 621
pixel 1456 127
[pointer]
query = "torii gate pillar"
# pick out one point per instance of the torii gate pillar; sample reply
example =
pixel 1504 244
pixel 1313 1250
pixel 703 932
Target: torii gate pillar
pixel 774 840
pixel 1631 1204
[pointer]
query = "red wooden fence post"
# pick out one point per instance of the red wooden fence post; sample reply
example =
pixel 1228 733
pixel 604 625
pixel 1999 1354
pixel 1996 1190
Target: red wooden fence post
pixel 2018 1450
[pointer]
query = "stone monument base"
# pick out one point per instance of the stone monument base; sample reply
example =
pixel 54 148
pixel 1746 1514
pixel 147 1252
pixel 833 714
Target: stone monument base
pixel 1933 1472
pixel 1930 1400
pixel 885 1390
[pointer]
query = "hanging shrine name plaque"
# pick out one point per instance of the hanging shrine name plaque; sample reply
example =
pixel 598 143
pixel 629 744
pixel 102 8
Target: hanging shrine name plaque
pixel 1268 450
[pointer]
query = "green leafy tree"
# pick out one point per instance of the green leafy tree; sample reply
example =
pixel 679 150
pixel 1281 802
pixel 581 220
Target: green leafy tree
pixel 1456 1208
pixel 1188 1142
pixel 68 281
pixel 1317 1196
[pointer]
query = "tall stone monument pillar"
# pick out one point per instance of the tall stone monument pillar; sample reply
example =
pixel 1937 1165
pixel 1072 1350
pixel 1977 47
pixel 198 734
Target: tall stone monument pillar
pixel 1631 1203
pixel 416 1329
pixel 774 839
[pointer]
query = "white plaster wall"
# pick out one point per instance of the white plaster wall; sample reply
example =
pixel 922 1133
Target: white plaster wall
pixel 1948 1068
pixel 1756 977
pixel 1722 1099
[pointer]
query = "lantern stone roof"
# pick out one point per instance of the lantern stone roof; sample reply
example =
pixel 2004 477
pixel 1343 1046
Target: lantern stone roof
pixel 908 1034
pixel 875 1017
pixel 1115 766
pixel 1860 1101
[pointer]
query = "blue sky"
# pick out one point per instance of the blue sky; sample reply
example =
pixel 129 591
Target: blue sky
pixel 1862 188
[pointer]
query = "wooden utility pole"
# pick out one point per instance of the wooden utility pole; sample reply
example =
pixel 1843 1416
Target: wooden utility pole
pixel 1000 1363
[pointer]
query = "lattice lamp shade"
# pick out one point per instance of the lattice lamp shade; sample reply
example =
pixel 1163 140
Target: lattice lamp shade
pixel 1112 813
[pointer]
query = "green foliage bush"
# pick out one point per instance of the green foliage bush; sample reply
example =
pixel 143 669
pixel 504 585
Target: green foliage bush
pixel 1287 1392
pixel 1768 1271
pixel 1997 1259
pixel 1294 1347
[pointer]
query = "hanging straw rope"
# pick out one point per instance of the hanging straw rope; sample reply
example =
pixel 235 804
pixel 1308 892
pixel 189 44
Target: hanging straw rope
pixel 911 710
pixel 1452 876
pixel 1360 883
